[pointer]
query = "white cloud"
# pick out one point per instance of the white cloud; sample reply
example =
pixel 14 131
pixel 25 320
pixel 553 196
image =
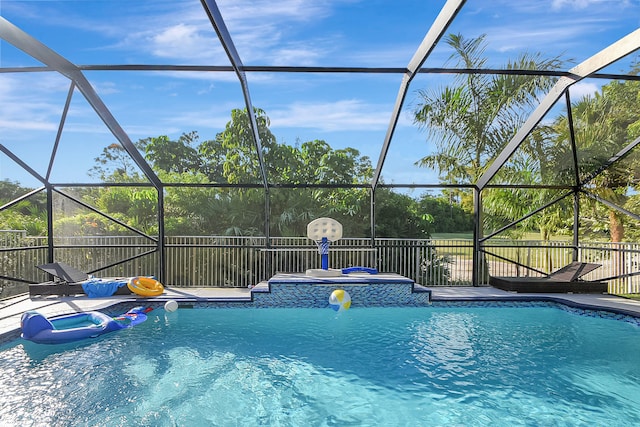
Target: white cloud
pixel 582 89
pixel 572 28
pixel 180 41
pixel 583 4
pixel 106 88
pixel 25 123
pixel 298 54
pixel 552 37
pixel 31 102
pixel 345 115
pixel 181 32
pixel 275 33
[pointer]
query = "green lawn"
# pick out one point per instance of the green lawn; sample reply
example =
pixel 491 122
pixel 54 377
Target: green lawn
pixel 467 252
pixel 469 235
pixel 445 236
pixel 631 296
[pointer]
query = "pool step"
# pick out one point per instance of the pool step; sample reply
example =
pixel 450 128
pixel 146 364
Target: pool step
pixel 374 290
pixel 261 287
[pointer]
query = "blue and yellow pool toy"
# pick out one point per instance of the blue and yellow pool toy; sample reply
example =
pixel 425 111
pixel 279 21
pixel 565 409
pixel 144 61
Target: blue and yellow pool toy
pixel 340 300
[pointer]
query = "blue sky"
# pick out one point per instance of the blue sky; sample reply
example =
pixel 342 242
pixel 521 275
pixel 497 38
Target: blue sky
pixel 344 110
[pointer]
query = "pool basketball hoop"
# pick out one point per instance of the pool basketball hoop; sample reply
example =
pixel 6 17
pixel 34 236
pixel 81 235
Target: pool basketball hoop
pixel 323 231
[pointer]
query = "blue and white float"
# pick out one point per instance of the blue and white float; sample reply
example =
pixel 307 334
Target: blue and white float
pixel 74 327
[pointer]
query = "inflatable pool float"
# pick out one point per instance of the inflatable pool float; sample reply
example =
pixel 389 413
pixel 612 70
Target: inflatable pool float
pixel 145 286
pixel 78 326
pixel 365 270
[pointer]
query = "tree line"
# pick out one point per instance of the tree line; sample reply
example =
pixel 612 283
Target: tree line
pixel 467 122
pixel 202 208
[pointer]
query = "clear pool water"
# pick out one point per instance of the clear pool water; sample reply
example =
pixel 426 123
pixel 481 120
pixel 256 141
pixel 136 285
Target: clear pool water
pixel 314 367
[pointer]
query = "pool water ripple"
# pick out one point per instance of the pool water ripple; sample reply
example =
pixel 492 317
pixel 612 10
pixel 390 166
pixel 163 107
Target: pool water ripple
pixel 376 366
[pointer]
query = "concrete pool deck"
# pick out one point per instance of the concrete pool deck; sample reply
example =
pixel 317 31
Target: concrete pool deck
pixel 11 309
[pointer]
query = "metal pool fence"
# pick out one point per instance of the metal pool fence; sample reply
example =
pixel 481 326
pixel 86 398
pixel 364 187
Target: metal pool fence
pixel 223 261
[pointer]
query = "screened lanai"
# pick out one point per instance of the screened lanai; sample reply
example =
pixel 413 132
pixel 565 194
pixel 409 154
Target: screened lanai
pixel 194 140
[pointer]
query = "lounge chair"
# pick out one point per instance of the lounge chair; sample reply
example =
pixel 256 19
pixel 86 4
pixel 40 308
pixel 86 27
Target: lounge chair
pixel 67 280
pixel 567 279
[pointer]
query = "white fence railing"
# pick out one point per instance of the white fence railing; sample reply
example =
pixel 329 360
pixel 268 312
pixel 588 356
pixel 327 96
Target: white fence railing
pixel 222 261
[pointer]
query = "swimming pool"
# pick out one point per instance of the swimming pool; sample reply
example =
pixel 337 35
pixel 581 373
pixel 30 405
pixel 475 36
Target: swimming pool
pixel 466 366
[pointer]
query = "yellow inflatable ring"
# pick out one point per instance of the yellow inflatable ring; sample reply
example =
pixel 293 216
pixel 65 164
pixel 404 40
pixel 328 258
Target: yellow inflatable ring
pixel 145 286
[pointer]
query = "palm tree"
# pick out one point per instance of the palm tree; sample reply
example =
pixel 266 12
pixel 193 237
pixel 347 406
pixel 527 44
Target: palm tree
pixel 471 121
pixel 604 124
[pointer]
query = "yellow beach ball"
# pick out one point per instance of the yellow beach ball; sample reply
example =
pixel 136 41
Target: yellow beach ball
pixel 340 300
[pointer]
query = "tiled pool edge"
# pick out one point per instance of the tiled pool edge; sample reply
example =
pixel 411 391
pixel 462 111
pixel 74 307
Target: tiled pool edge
pixel 581 309
pixel 518 301
pixel 394 291
pixel 301 291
